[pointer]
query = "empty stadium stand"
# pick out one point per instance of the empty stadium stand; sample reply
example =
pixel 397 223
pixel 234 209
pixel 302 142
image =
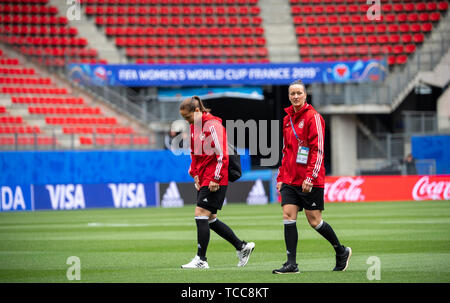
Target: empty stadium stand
pixel 341 30
pixel 36 113
pixel 218 31
pixel 36 29
pixel 15 131
pixel 183 31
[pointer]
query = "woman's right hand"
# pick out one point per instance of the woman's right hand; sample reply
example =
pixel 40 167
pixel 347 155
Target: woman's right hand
pixel 197 183
pixel 279 185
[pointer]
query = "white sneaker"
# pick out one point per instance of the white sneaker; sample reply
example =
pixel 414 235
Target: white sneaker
pixel 244 253
pixel 196 263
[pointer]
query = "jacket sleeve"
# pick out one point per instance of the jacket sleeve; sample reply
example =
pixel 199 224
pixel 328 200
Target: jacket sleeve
pixel 280 176
pixel 193 168
pixel 218 136
pixel 316 134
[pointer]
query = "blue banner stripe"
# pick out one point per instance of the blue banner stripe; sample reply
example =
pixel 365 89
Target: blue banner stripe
pixel 227 74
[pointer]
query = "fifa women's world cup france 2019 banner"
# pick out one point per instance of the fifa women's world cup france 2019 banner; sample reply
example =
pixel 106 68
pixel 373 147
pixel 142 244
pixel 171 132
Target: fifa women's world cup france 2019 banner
pixel 387 188
pixel 227 74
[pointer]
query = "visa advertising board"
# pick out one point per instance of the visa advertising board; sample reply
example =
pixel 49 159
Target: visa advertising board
pixel 77 196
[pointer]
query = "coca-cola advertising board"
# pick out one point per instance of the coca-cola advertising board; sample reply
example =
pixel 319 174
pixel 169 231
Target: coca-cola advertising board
pixel 387 188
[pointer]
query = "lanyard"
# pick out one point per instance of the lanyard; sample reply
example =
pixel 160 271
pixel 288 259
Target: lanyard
pixel 293 129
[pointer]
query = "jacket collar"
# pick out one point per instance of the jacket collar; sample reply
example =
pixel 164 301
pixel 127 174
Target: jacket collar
pixel 208 116
pixel 290 110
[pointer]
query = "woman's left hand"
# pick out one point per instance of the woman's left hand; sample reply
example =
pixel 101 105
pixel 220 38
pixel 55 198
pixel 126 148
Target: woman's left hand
pixel 213 186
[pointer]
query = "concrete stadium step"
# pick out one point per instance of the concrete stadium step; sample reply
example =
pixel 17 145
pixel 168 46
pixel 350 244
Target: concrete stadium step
pixel 279 31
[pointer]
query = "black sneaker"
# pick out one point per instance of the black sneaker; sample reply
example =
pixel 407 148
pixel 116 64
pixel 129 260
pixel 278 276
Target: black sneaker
pixel 287 268
pixel 342 260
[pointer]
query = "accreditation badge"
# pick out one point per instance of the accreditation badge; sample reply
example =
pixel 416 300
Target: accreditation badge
pixel 302 155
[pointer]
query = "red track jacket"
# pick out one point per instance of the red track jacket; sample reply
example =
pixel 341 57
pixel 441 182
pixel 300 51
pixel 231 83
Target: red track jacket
pixel 209 151
pixel 310 128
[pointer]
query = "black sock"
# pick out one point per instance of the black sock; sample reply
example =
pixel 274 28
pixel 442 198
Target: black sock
pixel 328 233
pixel 226 232
pixel 291 239
pixel 202 236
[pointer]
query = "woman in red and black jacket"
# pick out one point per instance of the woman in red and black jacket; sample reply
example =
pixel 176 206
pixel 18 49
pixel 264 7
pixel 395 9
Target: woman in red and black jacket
pixel 301 177
pixel 209 168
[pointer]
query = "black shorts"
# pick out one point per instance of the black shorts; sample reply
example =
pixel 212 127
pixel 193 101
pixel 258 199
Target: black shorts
pixel 309 201
pixel 209 200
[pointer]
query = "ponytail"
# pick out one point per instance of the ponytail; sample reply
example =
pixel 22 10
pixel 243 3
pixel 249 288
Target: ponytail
pixel 190 104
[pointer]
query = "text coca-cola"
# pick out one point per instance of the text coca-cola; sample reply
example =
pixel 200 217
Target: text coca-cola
pixel 345 189
pixel 425 189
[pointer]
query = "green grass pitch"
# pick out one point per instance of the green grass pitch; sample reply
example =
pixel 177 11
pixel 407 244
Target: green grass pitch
pixel 411 240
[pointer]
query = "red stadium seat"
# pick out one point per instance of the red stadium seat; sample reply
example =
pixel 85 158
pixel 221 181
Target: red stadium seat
pixel 408 7
pixel 343 19
pixel 311 30
pixel 302 41
pixel 392 28
pixel 386 8
pixel 420 6
pixel 415 28
pixel 398 49
pixel 334 29
pixel 443 6
pixel 407 38
pixel 349 40
pixel 381 28
pixel 347 29
pixel 360 39
pixel 300 30
pixel 337 40
pixel 375 49
pixel 372 39
pixel 434 17
pixel 431 6
pixel 383 39
pixel 403 17
pixel 398 7
pixel 325 40
pixel 333 19
pixel 404 28
pixel 330 9
pixel 394 39
pixel 314 40
pixel 410 48
pixel 402 59
pixel 426 27
pixel 418 38
pixel 389 18
pixel 391 60
pixel 358 29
